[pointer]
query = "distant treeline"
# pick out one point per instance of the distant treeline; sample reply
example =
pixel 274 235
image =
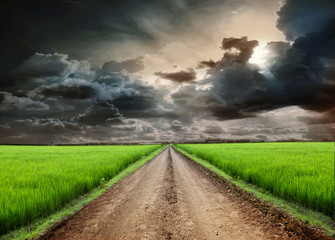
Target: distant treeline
pixel 82 144
pixel 207 140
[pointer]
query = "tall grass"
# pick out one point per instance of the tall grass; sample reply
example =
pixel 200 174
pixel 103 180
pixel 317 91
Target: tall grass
pixel 300 172
pixel 36 181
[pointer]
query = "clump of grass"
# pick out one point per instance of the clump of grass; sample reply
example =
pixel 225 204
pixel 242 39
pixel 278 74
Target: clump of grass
pixel 299 172
pixel 37 181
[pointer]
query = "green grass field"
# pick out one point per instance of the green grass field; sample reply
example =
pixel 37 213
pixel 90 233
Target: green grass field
pixel 36 181
pixel 299 172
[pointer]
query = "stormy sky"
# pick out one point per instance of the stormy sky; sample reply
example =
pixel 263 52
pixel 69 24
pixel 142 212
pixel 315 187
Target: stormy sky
pixel 124 71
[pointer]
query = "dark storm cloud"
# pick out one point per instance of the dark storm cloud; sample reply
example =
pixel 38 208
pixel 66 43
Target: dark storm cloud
pixel 177 126
pixel 70 92
pixel 214 130
pixel 46 65
pixel 237 84
pixel 9 101
pixel 47 88
pixel 101 113
pixel 79 28
pixel 239 49
pixel 301 74
pixel 230 112
pixel 53 130
pixel 55 76
pixel 298 17
pixel 179 77
pixel 130 65
pixel 56 92
pixel 206 103
pixel 45 26
pixel 132 97
pixel 210 63
pixel 306 74
pixel 233 83
pixel 37 131
pixel 42 69
pixel 276 51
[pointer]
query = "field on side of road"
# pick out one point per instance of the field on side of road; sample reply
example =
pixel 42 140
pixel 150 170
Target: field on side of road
pixel 299 172
pixel 38 180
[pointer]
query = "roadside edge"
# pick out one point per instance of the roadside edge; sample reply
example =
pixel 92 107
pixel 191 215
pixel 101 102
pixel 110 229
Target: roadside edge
pixel 272 207
pixel 42 227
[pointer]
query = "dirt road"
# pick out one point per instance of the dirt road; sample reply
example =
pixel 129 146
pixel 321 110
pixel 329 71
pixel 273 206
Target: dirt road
pixel 168 198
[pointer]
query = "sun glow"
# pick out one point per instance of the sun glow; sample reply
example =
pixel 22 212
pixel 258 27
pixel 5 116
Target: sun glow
pixel 259 56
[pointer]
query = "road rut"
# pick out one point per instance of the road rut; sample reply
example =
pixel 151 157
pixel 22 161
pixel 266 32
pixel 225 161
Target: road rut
pixel 168 198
